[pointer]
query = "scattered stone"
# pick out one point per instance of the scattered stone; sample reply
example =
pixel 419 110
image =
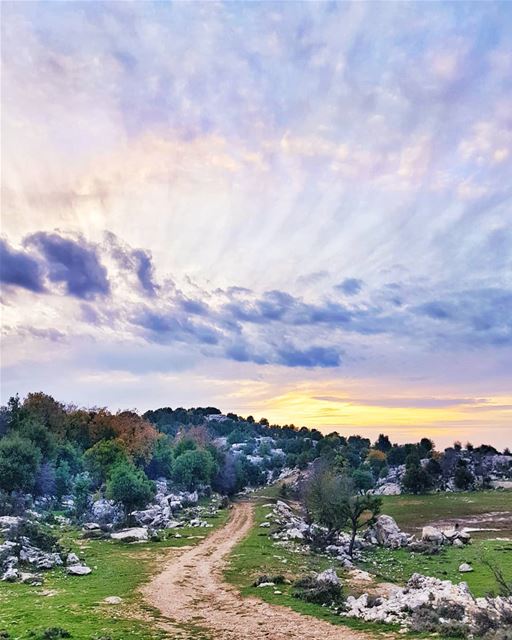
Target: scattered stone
pixel 432 534
pixel 465 568
pixel 328 576
pixel 79 570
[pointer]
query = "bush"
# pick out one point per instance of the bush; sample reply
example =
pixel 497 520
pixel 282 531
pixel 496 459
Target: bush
pixel 424 619
pixel 310 590
pixel 38 536
pixel 450 610
pixel 19 461
pixel 129 486
pixel 279 579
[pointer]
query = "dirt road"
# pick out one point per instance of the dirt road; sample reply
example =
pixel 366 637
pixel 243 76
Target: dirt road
pixel 191 590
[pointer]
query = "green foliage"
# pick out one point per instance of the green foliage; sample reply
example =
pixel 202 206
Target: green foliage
pixel 129 486
pixel 323 593
pixel 416 479
pixel 81 489
pixel 63 479
pixel 334 502
pixel 463 478
pixel 363 480
pixel 161 462
pixel 193 468
pixel 102 457
pixel 19 461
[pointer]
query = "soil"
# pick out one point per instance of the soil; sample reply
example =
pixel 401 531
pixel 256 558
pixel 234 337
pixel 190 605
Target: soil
pixel 190 591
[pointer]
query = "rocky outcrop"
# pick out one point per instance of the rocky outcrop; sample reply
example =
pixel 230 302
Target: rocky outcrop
pixel 135 534
pixel 386 533
pixel 421 591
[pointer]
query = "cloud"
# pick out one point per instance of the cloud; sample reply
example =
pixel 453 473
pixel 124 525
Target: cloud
pixel 394 402
pixel 310 357
pixel 19 269
pixel 73 262
pixel 350 286
pixel 145 271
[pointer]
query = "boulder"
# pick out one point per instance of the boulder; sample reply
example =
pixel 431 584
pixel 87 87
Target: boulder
pixel 72 558
pixel 389 489
pixel 465 568
pixel 11 575
pixel 33 579
pixel 91 526
pixel 432 534
pixel 112 600
pixel 106 511
pixel 265 525
pixel 294 534
pixel 388 533
pixel 457 543
pixel 328 576
pixel 78 570
pixel 135 534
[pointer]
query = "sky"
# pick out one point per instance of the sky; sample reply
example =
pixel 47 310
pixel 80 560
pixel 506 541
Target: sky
pixel 298 210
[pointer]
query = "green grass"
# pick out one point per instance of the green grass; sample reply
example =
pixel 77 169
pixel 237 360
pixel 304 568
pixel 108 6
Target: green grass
pixel 398 565
pixel 414 512
pixel 257 555
pixel 77 604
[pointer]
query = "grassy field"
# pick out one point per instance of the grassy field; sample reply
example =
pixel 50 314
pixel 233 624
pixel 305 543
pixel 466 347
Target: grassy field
pixel 414 512
pixel 76 603
pixel 256 555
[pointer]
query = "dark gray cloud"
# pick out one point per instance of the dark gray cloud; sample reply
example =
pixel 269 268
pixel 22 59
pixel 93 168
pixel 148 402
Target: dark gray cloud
pixel 73 262
pixel 19 269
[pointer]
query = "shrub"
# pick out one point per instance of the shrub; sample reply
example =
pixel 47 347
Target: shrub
pixel 19 461
pixel 279 579
pixel 424 619
pixel 450 610
pixel 310 590
pixel 37 535
pixel 129 486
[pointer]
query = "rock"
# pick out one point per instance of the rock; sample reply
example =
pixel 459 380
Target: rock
pixel 388 533
pixel 106 511
pixel 465 568
pixel 458 542
pixel 328 576
pixel 33 579
pixel 79 570
pixel 266 584
pixel 91 526
pixel 265 525
pixel 72 559
pixel 112 600
pixel 135 534
pixel 6 522
pixel 389 489
pixel 432 534
pixel 11 575
pixel 294 534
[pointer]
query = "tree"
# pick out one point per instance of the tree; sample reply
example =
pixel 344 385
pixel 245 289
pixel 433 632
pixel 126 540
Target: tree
pixel 63 482
pixel 161 463
pixel 45 480
pixel 129 486
pixel 363 480
pixel 102 457
pixel 383 443
pixel 81 489
pixel 416 479
pixel 463 478
pixel 19 461
pixel 333 501
pixel 193 468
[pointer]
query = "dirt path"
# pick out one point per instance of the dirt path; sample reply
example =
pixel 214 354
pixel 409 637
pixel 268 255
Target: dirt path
pixel 191 590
